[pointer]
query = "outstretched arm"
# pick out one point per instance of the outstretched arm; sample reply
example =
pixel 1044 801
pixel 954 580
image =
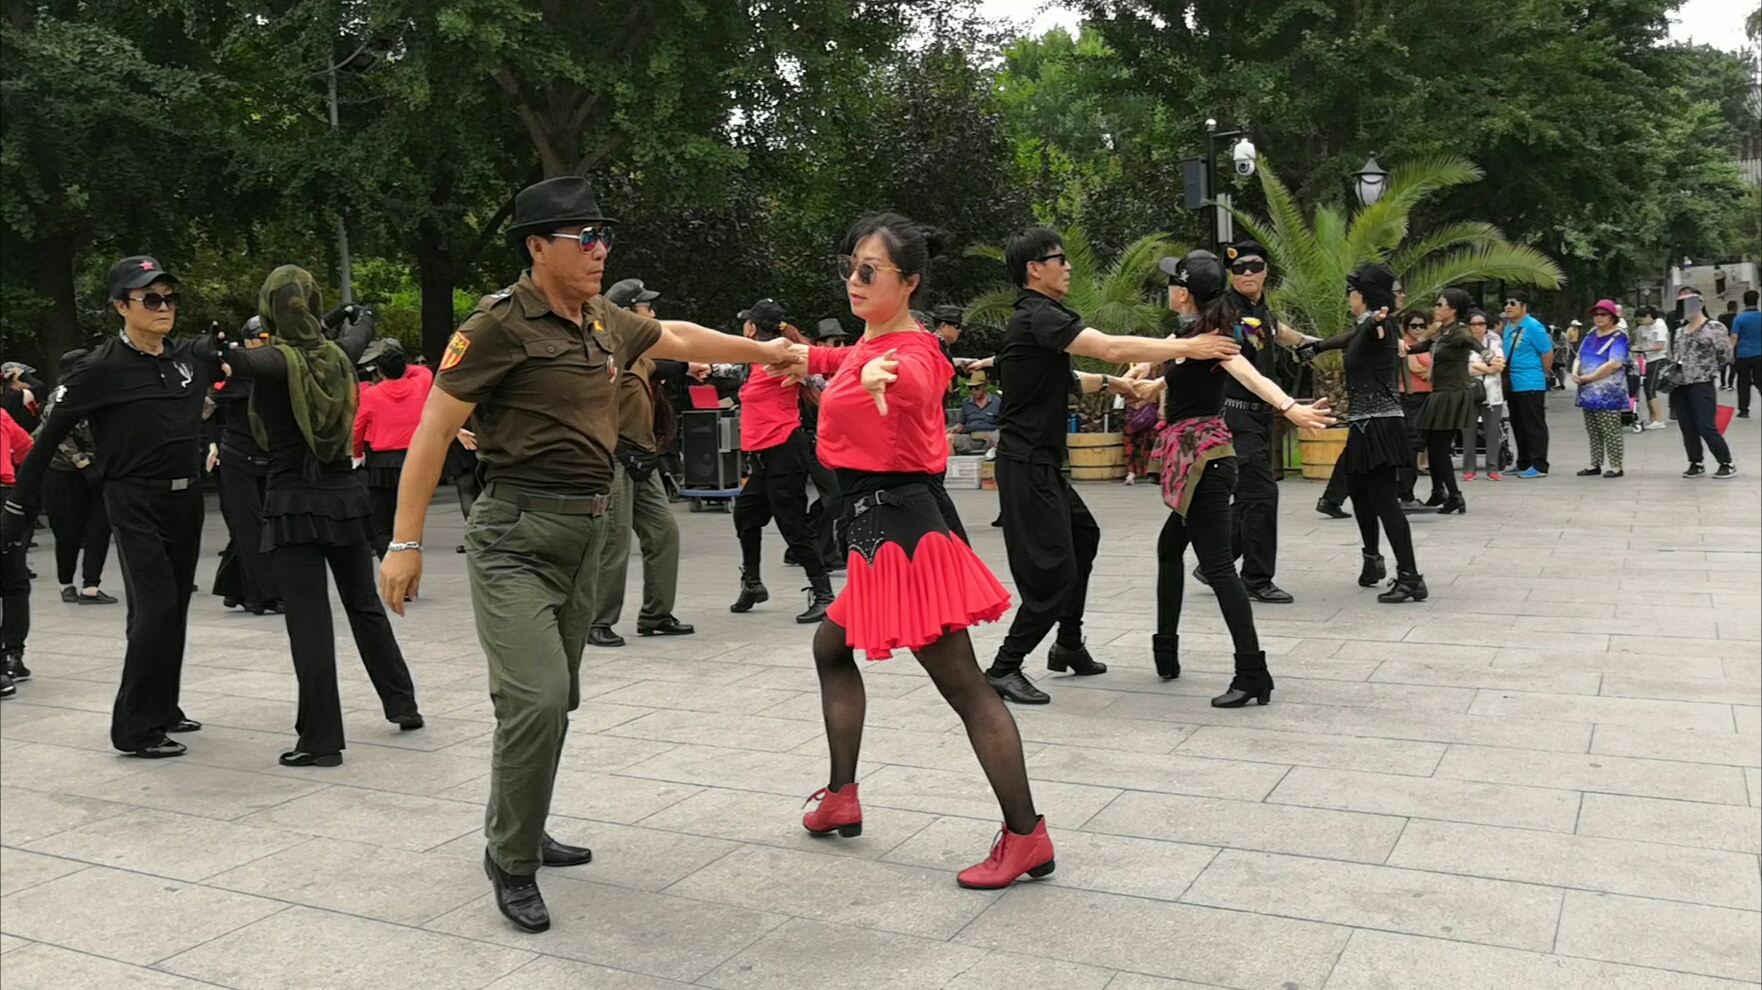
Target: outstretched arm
pixel 1313 416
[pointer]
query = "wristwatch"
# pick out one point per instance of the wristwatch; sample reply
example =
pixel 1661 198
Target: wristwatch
pixel 395 547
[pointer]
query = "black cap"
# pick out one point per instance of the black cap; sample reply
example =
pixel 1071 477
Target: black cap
pixel 948 314
pixel 765 311
pixel 828 328
pixel 134 272
pixel 553 204
pixel 1242 249
pixel 1374 281
pixel 1200 273
pixel 629 292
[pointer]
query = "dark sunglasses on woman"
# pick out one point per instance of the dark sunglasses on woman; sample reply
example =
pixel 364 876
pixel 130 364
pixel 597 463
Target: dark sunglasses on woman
pixel 865 271
pixel 1248 267
pixel 156 301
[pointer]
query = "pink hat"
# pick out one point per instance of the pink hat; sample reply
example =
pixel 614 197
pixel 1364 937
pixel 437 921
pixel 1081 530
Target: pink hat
pixel 1609 306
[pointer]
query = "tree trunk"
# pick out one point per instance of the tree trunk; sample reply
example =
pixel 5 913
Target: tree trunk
pixel 435 275
pixel 54 280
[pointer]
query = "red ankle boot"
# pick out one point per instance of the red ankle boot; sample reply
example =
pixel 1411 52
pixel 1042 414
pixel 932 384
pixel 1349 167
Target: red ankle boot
pixel 838 812
pixel 1012 856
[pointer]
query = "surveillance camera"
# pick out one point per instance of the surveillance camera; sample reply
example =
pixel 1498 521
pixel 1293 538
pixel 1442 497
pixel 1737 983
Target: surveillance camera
pixel 1244 156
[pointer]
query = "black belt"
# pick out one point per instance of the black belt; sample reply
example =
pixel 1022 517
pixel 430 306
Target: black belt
pixel 888 496
pixel 167 484
pixel 565 505
pixel 1248 405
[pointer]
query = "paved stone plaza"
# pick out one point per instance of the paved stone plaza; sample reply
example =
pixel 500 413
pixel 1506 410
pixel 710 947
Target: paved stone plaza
pixel 1545 777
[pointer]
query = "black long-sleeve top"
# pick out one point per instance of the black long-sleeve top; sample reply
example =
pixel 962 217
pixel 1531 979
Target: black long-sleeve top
pixel 267 371
pixel 1372 363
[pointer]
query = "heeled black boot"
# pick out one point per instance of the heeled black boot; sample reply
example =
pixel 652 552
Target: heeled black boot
pixel 1075 659
pixel 1408 586
pixel 1166 649
pixel 752 591
pixel 819 600
pixel 1455 503
pixel 1252 682
pixel 1374 571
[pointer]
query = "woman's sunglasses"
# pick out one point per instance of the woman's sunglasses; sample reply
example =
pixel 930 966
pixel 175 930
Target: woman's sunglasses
pixel 157 301
pixel 1477 323
pixel 865 271
pixel 588 237
pixel 1248 267
pixel 1417 325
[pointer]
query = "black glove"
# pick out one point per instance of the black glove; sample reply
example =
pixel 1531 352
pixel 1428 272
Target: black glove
pixel 339 315
pixel 1306 351
pixel 14 526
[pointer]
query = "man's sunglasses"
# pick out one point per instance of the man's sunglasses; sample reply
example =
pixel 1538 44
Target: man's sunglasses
pixel 156 301
pixel 1512 302
pixel 865 271
pixel 1058 256
pixel 588 237
pixel 1248 267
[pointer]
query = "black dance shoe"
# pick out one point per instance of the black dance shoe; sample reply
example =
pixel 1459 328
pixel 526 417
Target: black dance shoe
pixel 1251 683
pixel 1408 587
pixel 1165 649
pixel 554 853
pixel 517 897
pixel 1270 594
pixel 164 749
pixel 603 636
pixel 184 725
pixel 664 626
pixel 1332 510
pixel 1075 659
pixel 1015 686
pixel 752 592
pixel 1455 503
pixel 299 758
pixel 820 599
pixel 71 595
pixel 1374 570
pixel 406 723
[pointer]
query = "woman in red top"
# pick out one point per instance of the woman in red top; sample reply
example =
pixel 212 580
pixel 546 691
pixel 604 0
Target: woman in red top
pixel 15 574
pixel 777 471
pixel 385 421
pixel 914 583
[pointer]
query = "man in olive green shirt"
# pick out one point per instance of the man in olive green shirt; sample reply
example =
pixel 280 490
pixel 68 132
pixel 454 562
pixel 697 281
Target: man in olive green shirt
pixel 536 369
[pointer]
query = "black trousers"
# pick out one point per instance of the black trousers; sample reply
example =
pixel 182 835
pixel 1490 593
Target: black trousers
pixel 1051 539
pixel 1529 428
pixel 1375 500
pixel 1254 516
pixel 75 506
pixel 15 590
pixel 1695 407
pixel 777 488
pixel 828 508
pixel 1439 445
pixel 158 536
pixel 1749 377
pixel 306 597
pixel 385 512
pixel 241 505
pixel 1204 527
pixel 1338 490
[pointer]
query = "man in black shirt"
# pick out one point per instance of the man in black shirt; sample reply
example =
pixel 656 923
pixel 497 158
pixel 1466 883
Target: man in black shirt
pixel 1254 519
pixel 1050 536
pixel 142 394
pixel 245 577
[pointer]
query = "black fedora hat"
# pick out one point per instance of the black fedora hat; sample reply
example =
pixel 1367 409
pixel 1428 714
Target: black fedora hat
pixel 543 207
pixel 829 329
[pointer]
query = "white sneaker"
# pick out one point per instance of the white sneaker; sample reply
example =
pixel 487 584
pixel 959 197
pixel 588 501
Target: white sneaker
pixel 1655 425
pixel 1131 479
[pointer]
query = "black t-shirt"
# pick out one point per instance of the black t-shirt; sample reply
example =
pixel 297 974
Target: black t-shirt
pixel 1033 362
pixel 1195 388
pixel 1259 350
pixel 145 410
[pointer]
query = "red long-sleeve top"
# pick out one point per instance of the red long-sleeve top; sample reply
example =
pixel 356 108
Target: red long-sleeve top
pixel 913 436
pixel 770 410
pixel 389 411
pixel 14 444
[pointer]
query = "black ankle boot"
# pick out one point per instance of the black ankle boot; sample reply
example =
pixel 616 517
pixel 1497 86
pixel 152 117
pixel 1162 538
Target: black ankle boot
pixel 1166 649
pixel 752 591
pixel 1252 682
pixel 1408 586
pixel 1455 503
pixel 819 600
pixel 1075 659
pixel 1374 571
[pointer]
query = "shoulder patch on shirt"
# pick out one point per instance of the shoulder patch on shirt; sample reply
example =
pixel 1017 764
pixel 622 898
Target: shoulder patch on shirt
pixel 456 348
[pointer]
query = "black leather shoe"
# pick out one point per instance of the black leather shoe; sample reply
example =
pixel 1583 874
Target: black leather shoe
pixel 271 607
pixel 165 748
pixel 1271 594
pixel 554 853
pixel 1201 578
pixel 407 723
pixel 664 626
pixel 518 898
pixel 1015 686
pixel 298 758
pixel 184 725
pixel 1075 659
pixel 70 594
pixel 603 636
pixel 97 598
pixel 1332 510
pixel 7 688
pixel 15 668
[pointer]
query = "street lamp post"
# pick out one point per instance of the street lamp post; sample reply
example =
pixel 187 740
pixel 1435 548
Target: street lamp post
pixel 1370 182
pixel 1223 226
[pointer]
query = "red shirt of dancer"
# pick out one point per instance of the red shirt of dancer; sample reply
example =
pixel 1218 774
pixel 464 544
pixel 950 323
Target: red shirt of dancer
pixel 14 444
pixel 770 410
pixel 389 411
pixel 913 436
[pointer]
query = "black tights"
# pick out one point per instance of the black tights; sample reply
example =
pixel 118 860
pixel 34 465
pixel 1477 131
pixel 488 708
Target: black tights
pixel 1439 444
pixel 1207 528
pixel 955 672
pixel 1375 500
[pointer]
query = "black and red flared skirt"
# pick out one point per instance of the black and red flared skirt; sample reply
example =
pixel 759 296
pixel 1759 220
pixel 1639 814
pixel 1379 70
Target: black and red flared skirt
pixel 910 579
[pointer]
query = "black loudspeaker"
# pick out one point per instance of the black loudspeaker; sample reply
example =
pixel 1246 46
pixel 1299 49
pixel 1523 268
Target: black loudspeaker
pixel 1194 191
pixel 709 442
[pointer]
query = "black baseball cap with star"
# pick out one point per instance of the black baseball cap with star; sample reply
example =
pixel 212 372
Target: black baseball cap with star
pixel 135 272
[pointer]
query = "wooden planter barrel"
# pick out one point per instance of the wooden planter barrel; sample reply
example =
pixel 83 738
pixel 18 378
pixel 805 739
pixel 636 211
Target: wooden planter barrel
pixel 1097 456
pixel 1321 450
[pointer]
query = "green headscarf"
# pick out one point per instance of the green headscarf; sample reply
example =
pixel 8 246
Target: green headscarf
pixel 321 378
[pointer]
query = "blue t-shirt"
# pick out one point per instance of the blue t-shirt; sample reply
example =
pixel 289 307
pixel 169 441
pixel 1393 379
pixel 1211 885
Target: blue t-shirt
pixel 1525 344
pixel 1747 328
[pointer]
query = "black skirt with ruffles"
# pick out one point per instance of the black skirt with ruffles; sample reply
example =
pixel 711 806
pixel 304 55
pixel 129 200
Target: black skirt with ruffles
pixel 330 510
pixel 1375 443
